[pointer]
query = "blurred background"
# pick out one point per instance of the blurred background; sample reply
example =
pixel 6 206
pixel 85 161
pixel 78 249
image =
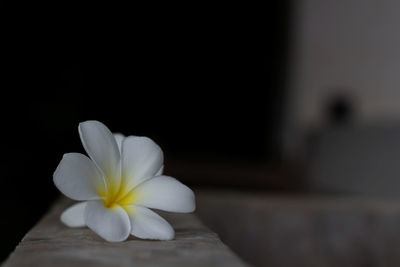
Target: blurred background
pixel 284 118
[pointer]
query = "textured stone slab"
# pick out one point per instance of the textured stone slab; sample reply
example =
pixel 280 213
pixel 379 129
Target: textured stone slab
pixel 305 230
pixel 50 243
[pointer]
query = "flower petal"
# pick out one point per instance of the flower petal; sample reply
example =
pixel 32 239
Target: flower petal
pixel 74 215
pixel 102 148
pixel 142 158
pixel 119 138
pixel 147 224
pixel 160 171
pixel 78 178
pixel 165 193
pixel 112 224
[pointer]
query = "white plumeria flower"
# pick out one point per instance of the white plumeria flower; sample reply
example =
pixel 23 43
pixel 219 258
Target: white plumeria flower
pixel 118 184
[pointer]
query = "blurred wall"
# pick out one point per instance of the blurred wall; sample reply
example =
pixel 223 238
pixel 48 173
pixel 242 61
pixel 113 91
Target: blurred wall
pixel 348 48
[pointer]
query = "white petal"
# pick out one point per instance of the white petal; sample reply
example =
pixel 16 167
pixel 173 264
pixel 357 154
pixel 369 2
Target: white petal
pixel 119 138
pixel 165 193
pixel 160 171
pixel 147 224
pixel 112 224
pixel 74 215
pixel 142 158
pixel 102 148
pixel 78 178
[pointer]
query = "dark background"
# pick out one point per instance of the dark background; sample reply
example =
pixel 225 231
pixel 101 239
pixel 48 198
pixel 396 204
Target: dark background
pixel 206 84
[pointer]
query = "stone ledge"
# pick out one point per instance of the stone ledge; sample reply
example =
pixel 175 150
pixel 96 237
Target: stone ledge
pixel 304 229
pixel 50 243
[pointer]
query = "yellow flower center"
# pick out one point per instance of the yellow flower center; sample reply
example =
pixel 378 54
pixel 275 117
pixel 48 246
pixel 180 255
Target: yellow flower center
pixel 118 194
